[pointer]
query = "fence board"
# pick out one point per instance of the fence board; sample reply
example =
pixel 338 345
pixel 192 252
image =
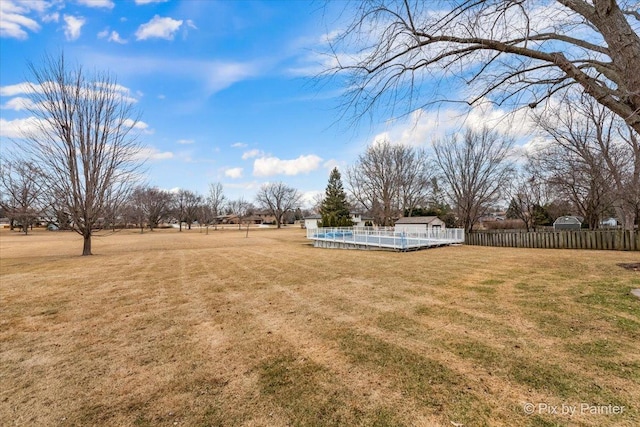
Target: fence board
pixel 621 240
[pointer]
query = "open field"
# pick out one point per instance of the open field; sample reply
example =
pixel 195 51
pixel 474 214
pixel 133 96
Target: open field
pixel 170 328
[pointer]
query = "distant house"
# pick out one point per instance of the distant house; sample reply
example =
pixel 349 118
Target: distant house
pixel 311 221
pixel 359 220
pixel 567 223
pixel 263 217
pixel 419 224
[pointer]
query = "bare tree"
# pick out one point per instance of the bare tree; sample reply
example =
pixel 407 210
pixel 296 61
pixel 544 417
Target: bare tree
pixel 278 199
pixel 593 160
pixel 84 142
pixel 243 210
pixel 193 201
pixel 136 208
pixel 475 170
pixel 216 200
pixel 206 216
pixel 388 179
pixel 186 205
pixel 528 193
pixel 576 181
pixel 152 205
pixel 21 192
pixel 515 52
pixel 114 213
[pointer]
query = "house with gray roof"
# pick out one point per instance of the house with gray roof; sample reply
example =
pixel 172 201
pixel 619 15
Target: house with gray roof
pixel 419 224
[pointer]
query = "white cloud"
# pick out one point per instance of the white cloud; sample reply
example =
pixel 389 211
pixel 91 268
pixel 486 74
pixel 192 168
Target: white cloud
pixel 112 36
pixel 190 24
pixel 234 173
pixel 150 1
pixel 73 27
pixel 251 154
pixel 221 75
pixel 269 166
pixel 51 17
pixel 214 76
pixel 422 127
pixel 115 37
pixel 161 96
pixel 18 103
pixel 239 145
pixel 333 163
pixel 27 88
pixel 186 141
pixel 108 4
pixel 14 21
pixel 18 128
pixel 140 125
pixel 39 6
pixel 163 28
pixel 13 90
pixel 150 153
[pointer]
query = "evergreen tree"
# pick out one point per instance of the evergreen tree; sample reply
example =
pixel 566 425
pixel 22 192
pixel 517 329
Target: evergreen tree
pixel 514 211
pixel 335 209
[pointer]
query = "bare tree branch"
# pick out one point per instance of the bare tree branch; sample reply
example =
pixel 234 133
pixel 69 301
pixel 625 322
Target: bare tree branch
pixel 532 48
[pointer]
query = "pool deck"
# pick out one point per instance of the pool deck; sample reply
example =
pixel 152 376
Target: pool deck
pixel 372 239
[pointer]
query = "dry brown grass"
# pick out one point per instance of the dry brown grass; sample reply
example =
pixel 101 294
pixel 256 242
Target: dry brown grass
pixel 170 328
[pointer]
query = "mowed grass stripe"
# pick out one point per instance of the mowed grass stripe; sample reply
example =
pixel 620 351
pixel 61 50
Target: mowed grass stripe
pixel 195 329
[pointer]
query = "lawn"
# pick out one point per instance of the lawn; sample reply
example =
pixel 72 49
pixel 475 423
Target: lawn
pixel 169 328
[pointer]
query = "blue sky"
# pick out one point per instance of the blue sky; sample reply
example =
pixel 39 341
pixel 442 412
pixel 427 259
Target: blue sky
pixel 225 88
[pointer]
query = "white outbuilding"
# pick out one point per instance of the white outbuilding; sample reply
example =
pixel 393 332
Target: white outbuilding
pixel 419 224
pixel 311 221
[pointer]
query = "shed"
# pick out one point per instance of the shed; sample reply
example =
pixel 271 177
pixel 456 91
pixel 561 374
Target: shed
pixel 419 224
pixel 609 222
pixel 311 221
pixel 567 223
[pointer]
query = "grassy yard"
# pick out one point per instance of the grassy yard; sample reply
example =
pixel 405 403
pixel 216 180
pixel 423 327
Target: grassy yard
pixel 169 328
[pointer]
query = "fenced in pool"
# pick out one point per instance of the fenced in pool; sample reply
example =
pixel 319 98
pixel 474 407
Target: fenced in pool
pixel 382 238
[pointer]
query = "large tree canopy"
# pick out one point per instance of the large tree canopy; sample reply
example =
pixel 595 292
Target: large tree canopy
pixel 509 51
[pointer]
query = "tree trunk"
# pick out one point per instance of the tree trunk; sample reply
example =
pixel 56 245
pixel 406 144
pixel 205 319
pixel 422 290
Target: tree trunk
pixel 86 249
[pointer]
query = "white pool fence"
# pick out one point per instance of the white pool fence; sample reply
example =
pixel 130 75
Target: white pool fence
pixel 383 237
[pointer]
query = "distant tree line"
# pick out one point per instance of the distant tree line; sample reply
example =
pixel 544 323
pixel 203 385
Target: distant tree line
pixel 25 201
pixel 586 163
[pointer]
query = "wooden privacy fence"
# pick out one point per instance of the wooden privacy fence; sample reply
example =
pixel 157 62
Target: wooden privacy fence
pixel 620 240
